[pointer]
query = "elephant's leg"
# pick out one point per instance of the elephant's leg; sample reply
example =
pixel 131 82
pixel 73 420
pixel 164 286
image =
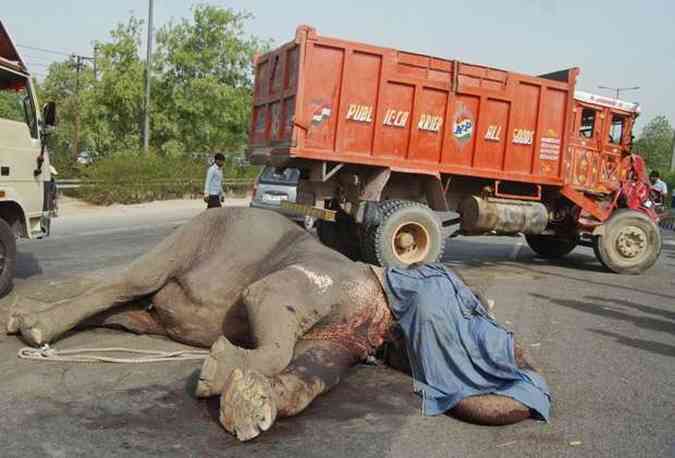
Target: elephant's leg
pixel 144 276
pixel 281 307
pixel 133 318
pixel 251 401
pixel 490 409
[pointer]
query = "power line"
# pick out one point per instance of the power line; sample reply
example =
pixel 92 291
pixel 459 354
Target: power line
pixel 52 51
pixel 43 59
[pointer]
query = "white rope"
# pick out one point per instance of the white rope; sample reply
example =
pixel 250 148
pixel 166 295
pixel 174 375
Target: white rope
pixel 78 355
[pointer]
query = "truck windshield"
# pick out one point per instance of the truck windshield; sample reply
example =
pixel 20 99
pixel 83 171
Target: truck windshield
pixel 616 130
pixel 16 103
pixel 587 126
pixel 274 175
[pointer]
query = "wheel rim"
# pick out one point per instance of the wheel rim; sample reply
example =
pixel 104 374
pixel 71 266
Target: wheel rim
pixel 631 243
pixel 411 243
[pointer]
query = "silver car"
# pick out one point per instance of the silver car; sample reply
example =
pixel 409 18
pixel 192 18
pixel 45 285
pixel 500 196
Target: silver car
pixel 275 185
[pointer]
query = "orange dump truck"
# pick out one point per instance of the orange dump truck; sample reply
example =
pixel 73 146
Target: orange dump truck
pixel 406 150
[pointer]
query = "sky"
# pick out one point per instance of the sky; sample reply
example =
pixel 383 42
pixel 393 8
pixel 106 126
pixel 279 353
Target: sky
pixel 615 43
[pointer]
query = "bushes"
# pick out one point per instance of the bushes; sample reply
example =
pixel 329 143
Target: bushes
pixel 133 178
pixel 669 178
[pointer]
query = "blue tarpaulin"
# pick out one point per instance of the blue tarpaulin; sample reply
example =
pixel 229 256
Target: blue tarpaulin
pixel 456 349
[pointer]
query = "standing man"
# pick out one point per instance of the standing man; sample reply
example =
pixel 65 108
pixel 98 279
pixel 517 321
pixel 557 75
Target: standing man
pixel 658 186
pixel 213 186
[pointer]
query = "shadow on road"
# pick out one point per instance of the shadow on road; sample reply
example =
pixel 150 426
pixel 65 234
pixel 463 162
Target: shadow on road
pixel 27 265
pixel 643 308
pixel 607 310
pixel 473 253
pixel 616 285
pixel 646 345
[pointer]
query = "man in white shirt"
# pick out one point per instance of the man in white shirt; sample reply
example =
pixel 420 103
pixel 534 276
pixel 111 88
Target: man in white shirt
pixel 213 186
pixel 658 186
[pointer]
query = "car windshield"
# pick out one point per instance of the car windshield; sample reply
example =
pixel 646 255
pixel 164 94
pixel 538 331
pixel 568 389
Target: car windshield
pixel 280 176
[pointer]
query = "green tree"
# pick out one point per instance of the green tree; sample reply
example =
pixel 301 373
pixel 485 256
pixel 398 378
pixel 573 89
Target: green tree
pixel 110 107
pixel 10 105
pixel 202 85
pixel 201 102
pixel 60 86
pixel 655 143
pixel 113 108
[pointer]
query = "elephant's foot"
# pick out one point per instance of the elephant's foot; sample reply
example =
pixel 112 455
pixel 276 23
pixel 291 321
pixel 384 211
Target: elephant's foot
pixel 247 405
pixel 33 331
pixel 222 359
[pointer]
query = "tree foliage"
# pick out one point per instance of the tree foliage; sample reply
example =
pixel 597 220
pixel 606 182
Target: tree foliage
pixel 655 143
pixel 200 98
pixel 10 105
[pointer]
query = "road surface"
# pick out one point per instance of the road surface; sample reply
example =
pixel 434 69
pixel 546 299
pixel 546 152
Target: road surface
pixel 606 344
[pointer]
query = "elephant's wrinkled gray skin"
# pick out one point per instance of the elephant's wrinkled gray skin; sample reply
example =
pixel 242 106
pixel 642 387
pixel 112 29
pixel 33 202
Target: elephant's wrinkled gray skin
pixel 284 315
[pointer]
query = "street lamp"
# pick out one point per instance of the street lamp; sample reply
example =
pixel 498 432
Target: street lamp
pixel 619 90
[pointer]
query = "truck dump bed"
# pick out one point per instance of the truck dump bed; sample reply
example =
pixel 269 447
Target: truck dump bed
pixel 333 100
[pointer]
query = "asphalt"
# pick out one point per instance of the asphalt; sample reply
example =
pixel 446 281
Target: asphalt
pixel 606 344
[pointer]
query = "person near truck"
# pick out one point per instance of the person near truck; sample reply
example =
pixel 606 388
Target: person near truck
pixel 213 186
pixel 659 187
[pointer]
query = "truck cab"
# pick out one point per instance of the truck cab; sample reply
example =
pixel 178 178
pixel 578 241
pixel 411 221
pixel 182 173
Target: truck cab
pixel 601 137
pixel 24 162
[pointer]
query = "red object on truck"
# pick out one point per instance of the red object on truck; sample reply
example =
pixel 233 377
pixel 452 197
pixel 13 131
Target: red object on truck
pixel 378 131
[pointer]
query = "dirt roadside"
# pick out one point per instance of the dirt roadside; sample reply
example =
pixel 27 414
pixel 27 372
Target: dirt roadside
pixel 70 207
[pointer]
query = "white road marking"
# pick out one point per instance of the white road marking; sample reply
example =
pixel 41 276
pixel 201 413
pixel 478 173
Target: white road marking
pixel 669 242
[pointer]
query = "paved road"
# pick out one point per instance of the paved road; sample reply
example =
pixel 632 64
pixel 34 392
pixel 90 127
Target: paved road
pixel 606 344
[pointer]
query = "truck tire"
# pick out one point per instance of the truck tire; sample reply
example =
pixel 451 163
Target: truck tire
pixel 551 247
pixel 631 243
pixel 369 233
pixel 368 244
pixel 409 233
pixel 7 257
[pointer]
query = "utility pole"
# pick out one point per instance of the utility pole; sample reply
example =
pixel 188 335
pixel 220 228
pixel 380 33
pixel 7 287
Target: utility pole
pixel 95 58
pixel 148 68
pixel 76 140
pixel 619 90
pixel 79 66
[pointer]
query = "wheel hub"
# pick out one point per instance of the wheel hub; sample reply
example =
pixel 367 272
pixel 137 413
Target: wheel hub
pixel 411 243
pixel 631 241
pixel 405 240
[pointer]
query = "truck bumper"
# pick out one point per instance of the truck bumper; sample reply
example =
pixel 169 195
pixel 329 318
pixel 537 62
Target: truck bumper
pixel 306 210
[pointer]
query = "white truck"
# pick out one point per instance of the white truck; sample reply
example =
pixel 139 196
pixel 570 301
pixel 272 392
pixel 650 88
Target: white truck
pixel 25 194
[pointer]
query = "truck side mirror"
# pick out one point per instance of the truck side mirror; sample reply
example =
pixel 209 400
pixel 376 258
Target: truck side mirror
pixel 49 114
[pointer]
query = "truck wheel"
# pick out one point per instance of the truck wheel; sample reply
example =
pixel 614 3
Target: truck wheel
pixel 551 247
pixel 369 233
pixel 409 233
pixel 630 244
pixel 368 244
pixel 7 257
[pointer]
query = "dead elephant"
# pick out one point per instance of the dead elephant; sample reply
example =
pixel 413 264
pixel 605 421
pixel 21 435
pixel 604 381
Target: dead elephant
pixel 284 317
